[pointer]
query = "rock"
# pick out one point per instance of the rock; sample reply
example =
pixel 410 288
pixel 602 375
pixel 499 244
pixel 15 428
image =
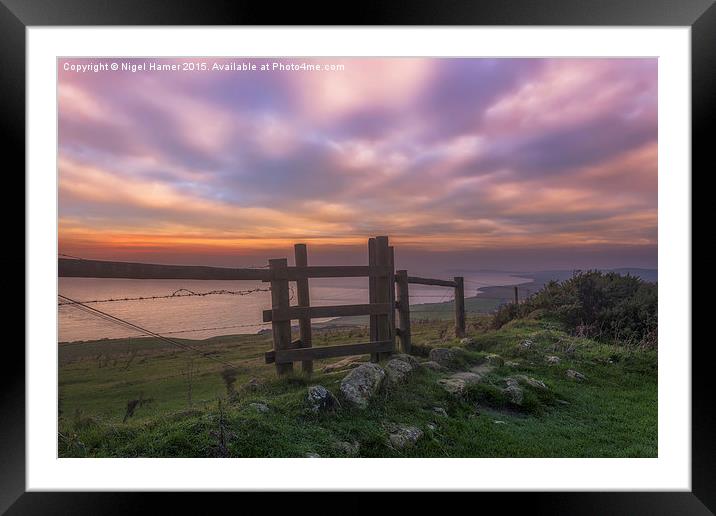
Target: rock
pixel 433 366
pixel 498 422
pixel 312 456
pixel 398 369
pixel 259 407
pixel 526 344
pixel 407 358
pixel 468 377
pixel 552 359
pixel 444 356
pixel 532 382
pixel 362 383
pixel 495 360
pixel 468 342
pixel 404 436
pixel 513 391
pixel 350 449
pixel 454 386
pixel 346 363
pixel 432 426
pixel 512 364
pixel 440 411
pixel 321 399
pixel 562 402
pixel 575 375
pixel 457 383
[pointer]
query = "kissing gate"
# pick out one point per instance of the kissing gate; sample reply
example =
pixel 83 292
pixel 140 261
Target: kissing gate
pixel 381 307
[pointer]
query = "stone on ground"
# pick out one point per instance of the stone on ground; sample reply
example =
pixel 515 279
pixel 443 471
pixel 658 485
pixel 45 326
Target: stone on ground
pixel 468 341
pixel 444 356
pixel 348 448
pixel 526 344
pixel 362 383
pixel 513 391
pixel 410 359
pixel 404 436
pixel 552 359
pixel 399 367
pixel 456 383
pixel 321 399
pixel 532 382
pixel 575 375
pixel 495 360
pixel 259 407
pixel 433 366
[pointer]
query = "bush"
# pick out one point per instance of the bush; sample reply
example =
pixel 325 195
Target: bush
pixel 603 306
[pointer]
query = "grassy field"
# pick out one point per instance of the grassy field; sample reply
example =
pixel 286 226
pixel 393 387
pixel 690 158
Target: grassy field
pixel 187 410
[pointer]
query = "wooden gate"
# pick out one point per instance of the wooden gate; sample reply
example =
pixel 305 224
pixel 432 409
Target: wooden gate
pixel 380 308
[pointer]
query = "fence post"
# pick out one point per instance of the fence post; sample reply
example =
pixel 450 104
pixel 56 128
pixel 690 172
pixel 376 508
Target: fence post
pixel 279 300
pixel 517 300
pixel 391 290
pixel 304 324
pixel 384 285
pixel 459 306
pixel 401 278
pixel 373 324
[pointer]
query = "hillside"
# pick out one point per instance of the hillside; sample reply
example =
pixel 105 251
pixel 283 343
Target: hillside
pixel 184 407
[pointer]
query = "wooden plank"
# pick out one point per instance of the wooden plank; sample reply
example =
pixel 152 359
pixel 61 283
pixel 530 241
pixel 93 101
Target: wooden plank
pixel 291 355
pixel 459 307
pixel 336 271
pixel 304 323
pixel 430 281
pixel 401 279
pixel 280 301
pixel 70 268
pixel 317 312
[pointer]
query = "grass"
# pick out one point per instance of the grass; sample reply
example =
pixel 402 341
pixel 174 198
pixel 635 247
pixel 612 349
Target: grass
pixel 611 414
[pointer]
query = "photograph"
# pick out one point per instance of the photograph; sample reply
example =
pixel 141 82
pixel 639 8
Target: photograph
pixel 357 257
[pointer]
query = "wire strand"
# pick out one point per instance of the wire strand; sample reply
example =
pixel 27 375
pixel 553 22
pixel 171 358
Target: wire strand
pixel 125 323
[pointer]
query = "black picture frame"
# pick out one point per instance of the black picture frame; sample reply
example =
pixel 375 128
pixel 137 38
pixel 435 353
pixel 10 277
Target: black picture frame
pixel 17 15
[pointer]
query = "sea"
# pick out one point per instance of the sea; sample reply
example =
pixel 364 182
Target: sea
pixel 235 307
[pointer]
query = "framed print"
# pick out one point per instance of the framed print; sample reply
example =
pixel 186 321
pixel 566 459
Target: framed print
pixel 426 249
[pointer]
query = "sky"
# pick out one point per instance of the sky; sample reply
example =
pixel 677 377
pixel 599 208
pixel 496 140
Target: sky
pixel 507 164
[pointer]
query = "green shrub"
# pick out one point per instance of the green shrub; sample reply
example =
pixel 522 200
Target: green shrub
pixel 603 306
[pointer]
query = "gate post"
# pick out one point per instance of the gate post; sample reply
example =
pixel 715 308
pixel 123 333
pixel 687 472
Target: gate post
pixel 459 306
pixel 373 319
pixel 384 286
pixel 401 278
pixel 281 330
pixel 303 300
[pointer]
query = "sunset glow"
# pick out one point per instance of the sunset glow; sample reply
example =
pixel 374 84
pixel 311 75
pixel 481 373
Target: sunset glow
pixel 552 158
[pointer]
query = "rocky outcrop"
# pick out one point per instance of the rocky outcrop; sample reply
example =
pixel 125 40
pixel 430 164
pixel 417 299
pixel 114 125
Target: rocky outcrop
pixel 362 383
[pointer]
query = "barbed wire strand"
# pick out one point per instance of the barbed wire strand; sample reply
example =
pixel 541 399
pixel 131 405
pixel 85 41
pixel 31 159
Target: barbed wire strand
pixel 182 292
pixel 127 324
